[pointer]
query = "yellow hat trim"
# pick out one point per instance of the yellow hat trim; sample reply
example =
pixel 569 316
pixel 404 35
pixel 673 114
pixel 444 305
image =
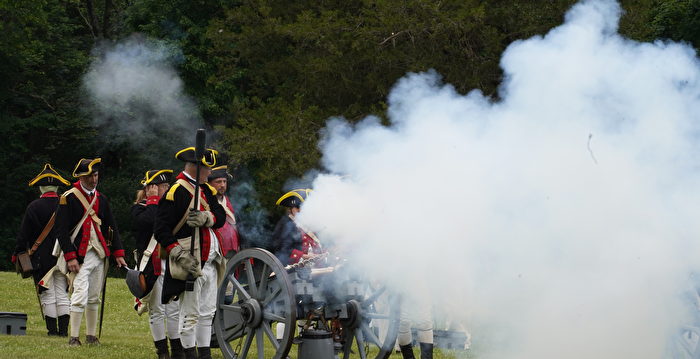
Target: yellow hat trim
pixel 92 163
pixel 149 179
pixel 58 177
pixel 293 193
pixel 204 162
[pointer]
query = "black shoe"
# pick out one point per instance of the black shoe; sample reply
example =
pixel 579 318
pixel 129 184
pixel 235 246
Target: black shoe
pixel 63 321
pixel 74 342
pixel 204 352
pixel 426 351
pixel 51 325
pixel 162 349
pixel 407 351
pixel 176 350
pixel 91 340
pixel 190 353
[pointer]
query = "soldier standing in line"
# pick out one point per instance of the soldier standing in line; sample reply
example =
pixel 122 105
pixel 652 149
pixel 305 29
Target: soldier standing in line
pixel 161 316
pixel 37 237
pixel 228 233
pixel 192 278
pixel 88 235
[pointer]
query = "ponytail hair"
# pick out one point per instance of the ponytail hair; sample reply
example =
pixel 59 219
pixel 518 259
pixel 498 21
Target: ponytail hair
pixel 140 196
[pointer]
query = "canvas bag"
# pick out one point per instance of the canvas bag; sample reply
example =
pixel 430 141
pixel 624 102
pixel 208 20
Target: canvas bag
pixel 176 270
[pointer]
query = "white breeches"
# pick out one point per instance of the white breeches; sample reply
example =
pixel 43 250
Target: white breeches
pixel 54 300
pixel 87 284
pixel 162 316
pixel 197 309
pixel 421 317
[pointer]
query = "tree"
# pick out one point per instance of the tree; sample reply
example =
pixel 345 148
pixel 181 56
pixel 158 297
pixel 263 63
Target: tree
pixel 677 20
pixel 40 61
pixel 300 64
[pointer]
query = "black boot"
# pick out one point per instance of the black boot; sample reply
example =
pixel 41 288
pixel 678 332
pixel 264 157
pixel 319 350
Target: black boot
pixel 51 325
pixel 426 351
pixel 63 321
pixel 214 342
pixel 191 353
pixel 162 349
pixel 176 350
pixel 204 352
pixel 407 351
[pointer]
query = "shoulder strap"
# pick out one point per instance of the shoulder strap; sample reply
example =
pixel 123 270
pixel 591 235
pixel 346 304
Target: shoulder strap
pixel 183 219
pixel 88 208
pixel 147 254
pixel 184 216
pixel 190 188
pixel 43 234
pixel 228 210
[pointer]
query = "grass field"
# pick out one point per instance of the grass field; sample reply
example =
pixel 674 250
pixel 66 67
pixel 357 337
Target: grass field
pixel 124 333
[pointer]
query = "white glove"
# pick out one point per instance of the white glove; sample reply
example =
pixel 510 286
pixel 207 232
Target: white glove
pixel 186 260
pixel 200 219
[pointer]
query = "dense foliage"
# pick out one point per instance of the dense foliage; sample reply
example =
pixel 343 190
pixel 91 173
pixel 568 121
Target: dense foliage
pixel 266 74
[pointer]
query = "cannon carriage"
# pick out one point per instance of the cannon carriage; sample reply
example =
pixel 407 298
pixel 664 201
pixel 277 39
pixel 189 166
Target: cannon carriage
pixel 327 311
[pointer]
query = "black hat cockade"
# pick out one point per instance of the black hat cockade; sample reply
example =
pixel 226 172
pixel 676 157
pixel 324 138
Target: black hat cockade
pixel 187 155
pixel 219 172
pixel 48 177
pixel 294 198
pixel 87 166
pixel 157 177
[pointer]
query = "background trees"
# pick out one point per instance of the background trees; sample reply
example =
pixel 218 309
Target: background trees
pixel 266 74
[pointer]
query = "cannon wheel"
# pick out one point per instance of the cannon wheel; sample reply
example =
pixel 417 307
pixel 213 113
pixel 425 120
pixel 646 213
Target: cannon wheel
pixel 262 295
pixel 377 309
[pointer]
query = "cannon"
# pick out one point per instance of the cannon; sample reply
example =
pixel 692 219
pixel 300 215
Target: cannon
pixel 337 313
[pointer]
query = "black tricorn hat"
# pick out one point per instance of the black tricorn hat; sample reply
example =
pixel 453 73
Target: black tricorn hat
pixel 157 177
pixel 136 282
pixel 48 177
pixel 187 155
pixel 219 172
pixel 87 166
pixel 294 198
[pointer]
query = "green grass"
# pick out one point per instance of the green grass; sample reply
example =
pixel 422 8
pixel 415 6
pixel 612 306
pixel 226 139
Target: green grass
pixel 124 333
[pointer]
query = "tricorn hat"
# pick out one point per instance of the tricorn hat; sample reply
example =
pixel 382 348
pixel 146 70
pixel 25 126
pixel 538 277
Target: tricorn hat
pixel 136 282
pixel 87 166
pixel 188 155
pixel 219 172
pixel 294 198
pixel 157 177
pixel 48 177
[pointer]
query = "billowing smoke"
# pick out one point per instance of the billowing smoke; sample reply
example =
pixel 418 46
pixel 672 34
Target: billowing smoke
pixel 557 222
pixel 136 96
pixel 306 181
pixel 251 217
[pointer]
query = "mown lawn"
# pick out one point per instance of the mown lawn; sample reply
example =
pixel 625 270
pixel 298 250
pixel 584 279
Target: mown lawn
pixel 124 333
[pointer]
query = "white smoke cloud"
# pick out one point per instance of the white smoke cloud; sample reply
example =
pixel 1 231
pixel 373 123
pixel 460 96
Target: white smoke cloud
pixel 558 221
pixel 136 95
